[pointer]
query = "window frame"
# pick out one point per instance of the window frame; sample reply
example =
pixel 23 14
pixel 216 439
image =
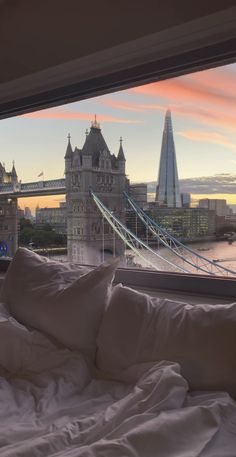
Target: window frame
pixel 195 45
pixel 201 44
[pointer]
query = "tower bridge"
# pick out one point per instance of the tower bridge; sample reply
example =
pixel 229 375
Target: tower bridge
pixel 9 194
pixel 33 189
pixel 92 165
pixel 95 186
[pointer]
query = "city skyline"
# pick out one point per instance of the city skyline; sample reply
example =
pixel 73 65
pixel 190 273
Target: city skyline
pixel 202 105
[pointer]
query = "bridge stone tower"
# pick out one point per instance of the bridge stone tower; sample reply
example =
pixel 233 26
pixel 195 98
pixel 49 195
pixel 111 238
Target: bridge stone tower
pixel 90 238
pixel 8 215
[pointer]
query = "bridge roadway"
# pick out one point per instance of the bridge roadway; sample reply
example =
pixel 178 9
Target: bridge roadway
pixel 33 189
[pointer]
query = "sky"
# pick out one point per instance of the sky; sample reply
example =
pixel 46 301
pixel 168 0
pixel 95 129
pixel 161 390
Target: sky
pixel 203 107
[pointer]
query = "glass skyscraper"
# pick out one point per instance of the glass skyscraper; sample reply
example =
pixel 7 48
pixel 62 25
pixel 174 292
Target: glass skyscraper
pixel 167 191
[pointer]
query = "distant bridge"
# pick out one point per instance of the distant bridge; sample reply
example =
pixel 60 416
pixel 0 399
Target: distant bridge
pixel 33 189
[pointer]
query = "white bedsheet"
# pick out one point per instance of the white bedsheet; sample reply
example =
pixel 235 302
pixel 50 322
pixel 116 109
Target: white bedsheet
pixel 52 405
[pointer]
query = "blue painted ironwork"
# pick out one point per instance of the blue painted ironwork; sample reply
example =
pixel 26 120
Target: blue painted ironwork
pixel 6 188
pixel 140 248
pixel 188 256
pixel 30 187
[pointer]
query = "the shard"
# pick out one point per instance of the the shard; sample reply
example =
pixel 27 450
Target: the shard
pixel 167 191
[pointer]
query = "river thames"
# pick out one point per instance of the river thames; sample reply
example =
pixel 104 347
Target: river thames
pixel 219 251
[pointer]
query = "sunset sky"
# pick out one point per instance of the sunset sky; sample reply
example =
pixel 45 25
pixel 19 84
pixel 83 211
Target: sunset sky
pixel 203 107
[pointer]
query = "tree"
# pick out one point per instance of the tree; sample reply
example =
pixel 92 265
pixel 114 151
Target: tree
pixel 26 235
pixel 40 238
pixel 25 223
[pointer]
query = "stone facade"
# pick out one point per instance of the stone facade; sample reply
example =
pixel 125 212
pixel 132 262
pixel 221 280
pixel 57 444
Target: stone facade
pixel 8 227
pixel 8 215
pixel 90 238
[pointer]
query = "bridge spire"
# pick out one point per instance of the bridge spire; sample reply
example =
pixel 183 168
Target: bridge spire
pixel 121 155
pixel 69 151
pixel 13 171
pixel 95 124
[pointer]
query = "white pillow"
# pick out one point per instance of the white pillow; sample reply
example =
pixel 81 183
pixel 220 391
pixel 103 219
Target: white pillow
pixel 37 293
pixel 44 270
pixel 26 353
pixel 14 342
pixel 201 338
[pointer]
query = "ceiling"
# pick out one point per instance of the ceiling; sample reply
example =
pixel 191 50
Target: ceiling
pixel 49 46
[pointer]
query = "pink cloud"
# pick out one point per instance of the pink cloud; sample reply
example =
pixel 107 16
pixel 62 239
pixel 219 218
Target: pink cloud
pixel 221 79
pixel 206 116
pixel 211 115
pixel 210 137
pixel 126 106
pixel 183 90
pixel 75 115
pixel 206 97
pixel 212 88
pixel 130 106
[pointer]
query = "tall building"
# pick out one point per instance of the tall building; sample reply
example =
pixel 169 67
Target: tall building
pixel 167 191
pixel 186 224
pixel 139 194
pixel 27 213
pixel 55 217
pixel 89 236
pixel 20 213
pixel 218 205
pixel 186 200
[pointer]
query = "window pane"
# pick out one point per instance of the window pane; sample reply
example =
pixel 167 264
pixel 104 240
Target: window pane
pixel 152 180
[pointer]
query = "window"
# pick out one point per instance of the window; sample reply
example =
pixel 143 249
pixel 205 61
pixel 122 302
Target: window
pixel 179 215
pixel 192 199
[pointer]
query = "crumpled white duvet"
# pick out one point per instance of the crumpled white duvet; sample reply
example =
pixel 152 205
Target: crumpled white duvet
pixel 53 404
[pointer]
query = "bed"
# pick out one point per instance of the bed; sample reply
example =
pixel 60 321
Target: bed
pixel 87 369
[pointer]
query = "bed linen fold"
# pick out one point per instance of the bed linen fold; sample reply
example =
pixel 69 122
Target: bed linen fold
pixel 54 404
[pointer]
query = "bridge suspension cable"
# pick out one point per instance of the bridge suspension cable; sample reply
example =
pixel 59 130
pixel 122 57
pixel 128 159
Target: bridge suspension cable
pixel 155 260
pixel 185 254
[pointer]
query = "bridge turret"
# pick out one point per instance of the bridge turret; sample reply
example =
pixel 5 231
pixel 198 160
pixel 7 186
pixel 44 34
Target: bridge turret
pixel 14 177
pixel 68 155
pixel 121 157
pixel 2 173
